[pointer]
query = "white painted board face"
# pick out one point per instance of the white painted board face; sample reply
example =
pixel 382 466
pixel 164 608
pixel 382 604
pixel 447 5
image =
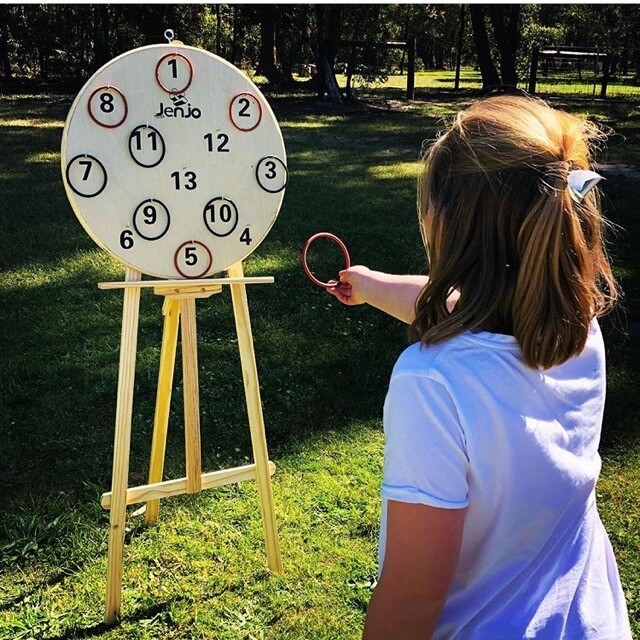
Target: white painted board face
pixel 173 161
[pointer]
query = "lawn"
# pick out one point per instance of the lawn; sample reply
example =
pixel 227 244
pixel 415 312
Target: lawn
pixel 567 84
pixel 323 371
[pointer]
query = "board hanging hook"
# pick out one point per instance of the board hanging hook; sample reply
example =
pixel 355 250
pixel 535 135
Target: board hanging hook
pixel 169 35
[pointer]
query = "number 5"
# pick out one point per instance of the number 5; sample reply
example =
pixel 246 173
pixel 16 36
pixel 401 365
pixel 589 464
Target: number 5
pixel 190 256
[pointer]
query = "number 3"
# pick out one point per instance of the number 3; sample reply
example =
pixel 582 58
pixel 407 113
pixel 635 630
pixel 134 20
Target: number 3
pixel 271 165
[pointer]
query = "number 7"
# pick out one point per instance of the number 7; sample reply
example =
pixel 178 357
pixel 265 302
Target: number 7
pixel 87 164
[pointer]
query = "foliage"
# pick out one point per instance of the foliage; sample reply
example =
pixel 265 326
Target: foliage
pixel 69 41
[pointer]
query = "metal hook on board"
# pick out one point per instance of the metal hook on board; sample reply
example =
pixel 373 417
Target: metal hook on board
pixel 169 35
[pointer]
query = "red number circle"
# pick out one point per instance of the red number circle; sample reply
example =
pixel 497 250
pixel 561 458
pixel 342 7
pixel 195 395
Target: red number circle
pixel 124 100
pixel 256 100
pixel 173 92
pixel 193 275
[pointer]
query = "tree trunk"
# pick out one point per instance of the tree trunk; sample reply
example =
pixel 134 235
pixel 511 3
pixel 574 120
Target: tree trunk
pixel 328 21
pixel 4 55
pixel 504 19
pixel 282 53
pixel 456 84
pixel 267 62
pixel 100 35
pixel 235 40
pixel 218 31
pixel 490 77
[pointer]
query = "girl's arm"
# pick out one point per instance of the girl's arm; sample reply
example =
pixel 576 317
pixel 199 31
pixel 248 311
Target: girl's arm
pixel 393 294
pixel 421 557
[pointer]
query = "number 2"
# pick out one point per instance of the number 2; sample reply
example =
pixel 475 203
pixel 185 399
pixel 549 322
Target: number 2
pixel 243 113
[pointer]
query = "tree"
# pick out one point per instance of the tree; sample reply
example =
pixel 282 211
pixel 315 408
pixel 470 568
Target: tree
pixel 328 23
pixel 267 63
pixel 505 25
pixel 101 39
pixel 488 69
pixel 5 35
pixel 505 21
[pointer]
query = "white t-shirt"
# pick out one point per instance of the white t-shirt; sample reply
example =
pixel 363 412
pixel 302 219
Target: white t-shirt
pixel 467 424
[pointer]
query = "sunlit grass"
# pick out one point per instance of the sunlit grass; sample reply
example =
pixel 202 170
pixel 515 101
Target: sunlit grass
pixel 32 123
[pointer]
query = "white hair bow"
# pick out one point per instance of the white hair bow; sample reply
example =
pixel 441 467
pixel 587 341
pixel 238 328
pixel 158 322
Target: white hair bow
pixel 580 182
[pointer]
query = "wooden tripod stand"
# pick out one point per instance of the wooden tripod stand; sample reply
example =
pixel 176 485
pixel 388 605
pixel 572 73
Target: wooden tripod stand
pixel 179 301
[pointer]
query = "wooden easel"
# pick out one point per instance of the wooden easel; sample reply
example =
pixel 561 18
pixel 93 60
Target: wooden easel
pixel 179 301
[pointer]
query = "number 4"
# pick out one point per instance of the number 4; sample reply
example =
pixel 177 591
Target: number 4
pixel 246 237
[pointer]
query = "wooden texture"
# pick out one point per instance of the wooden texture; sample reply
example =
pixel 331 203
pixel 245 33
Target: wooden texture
pixel 191 135
pixel 256 420
pixel 155 491
pixel 122 444
pixel 185 283
pixel 197 291
pixel 179 311
pixel 191 395
pixel 171 311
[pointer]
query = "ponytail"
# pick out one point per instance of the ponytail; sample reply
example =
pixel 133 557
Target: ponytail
pixel 502 228
pixel 562 264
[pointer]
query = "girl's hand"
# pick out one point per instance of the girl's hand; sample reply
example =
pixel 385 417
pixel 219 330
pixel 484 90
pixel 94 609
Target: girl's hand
pixel 353 287
pixel 393 294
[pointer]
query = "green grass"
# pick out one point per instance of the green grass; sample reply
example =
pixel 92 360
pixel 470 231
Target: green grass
pixel 569 85
pixel 323 370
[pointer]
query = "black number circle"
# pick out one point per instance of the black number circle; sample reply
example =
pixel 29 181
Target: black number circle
pixel 272 174
pixel 86 176
pixel 146 146
pixel 221 216
pixel 151 219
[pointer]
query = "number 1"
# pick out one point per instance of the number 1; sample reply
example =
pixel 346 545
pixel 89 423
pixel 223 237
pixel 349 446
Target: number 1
pixel 174 66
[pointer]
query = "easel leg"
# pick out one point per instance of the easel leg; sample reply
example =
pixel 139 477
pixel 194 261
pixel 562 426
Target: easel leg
pixel 171 310
pixel 256 420
pixel 191 395
pixel 122 444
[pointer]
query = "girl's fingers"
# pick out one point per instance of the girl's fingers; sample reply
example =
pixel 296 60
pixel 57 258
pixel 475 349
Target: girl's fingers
pixel 342 292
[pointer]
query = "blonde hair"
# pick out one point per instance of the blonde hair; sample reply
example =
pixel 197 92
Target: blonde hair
pixel 500 226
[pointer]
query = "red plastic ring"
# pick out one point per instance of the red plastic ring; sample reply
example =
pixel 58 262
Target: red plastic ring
pixel 126 107
pixel 174 92
pixel 233 122
pixel 305 249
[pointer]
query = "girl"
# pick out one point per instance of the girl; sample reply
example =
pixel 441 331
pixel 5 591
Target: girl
pixel 493 416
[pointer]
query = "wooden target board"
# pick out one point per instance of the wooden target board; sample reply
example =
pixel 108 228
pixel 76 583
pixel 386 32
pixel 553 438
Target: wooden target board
pixel 173 161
